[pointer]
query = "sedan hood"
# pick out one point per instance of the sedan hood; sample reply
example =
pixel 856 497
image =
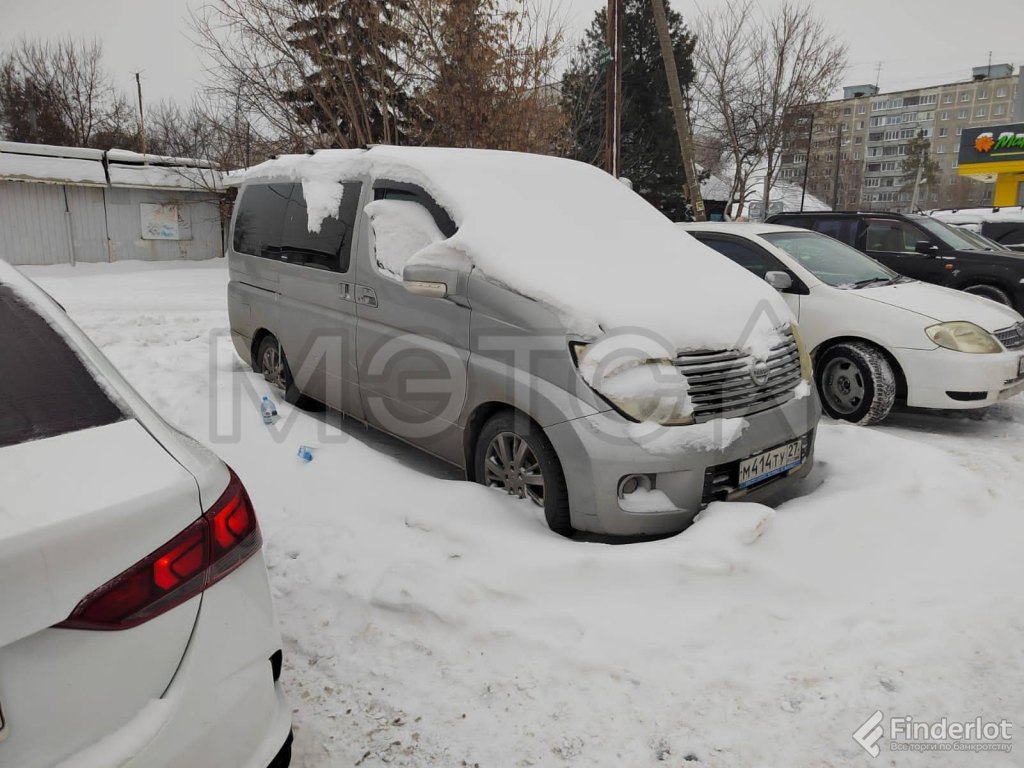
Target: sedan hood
pixel 943 304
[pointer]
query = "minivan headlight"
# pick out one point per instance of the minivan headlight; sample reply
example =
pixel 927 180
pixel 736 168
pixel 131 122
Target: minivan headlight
pixel 962 336
pixel 644 389
pixel 806 368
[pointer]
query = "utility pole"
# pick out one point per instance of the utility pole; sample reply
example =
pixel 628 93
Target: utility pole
pixel 142 119
pixel 917 185
pixel 807 162
pixel 613 88
pixel 682 121
pixel 835 180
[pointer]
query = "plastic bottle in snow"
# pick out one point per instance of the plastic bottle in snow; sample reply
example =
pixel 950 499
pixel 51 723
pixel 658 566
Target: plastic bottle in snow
pixel 305 453
pixel 268 410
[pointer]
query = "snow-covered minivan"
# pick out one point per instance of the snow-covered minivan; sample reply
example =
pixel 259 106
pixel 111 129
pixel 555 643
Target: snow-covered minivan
pixel 528 319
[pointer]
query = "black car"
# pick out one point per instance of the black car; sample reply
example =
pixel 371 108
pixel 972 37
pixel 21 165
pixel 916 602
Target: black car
pixel 924 248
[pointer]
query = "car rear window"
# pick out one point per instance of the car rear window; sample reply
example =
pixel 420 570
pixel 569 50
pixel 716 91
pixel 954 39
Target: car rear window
pixel 45 390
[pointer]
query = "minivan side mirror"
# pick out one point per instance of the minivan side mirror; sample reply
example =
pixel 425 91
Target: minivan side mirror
pixel 780 281
pixel 926 247
pixel 433 281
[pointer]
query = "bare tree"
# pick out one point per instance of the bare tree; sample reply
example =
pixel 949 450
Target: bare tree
pixel 726 89
pixel 66 79
pixel 756 68
pixel 484 72
pixel 797 61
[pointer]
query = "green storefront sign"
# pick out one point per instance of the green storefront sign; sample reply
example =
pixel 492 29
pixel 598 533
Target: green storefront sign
pixel 998 144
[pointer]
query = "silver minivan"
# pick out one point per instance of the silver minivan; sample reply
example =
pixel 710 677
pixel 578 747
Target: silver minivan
pixel 528 319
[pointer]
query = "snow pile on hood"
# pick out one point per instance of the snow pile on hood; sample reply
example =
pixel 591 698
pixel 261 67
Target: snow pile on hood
pixel 569 235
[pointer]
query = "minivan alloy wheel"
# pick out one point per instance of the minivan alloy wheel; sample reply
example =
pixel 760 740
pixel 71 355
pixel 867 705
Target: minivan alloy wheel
pixel 272 366
pixel 511 464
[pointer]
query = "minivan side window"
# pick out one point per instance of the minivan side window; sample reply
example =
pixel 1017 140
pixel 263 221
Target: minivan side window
pixel 843 230
pixel 258 221
pixel 331 247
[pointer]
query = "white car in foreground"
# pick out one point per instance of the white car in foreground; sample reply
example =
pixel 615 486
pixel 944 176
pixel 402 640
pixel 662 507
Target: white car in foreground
pixel 875 335
pixel 136 624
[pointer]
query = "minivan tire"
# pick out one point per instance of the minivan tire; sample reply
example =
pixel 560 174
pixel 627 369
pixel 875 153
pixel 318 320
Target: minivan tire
pixel 279 375
pixel 516 426
pixel 990 292
pixel 855 382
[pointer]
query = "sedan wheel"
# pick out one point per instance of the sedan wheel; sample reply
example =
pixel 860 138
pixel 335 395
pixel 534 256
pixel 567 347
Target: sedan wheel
pixel 856 382
pixel 842 385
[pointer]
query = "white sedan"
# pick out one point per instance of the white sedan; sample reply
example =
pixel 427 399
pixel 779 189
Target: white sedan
pixel 136 624
pixel 877 336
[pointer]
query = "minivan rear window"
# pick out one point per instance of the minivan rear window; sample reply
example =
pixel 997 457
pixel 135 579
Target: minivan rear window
pixel 273 223
pixel 45 390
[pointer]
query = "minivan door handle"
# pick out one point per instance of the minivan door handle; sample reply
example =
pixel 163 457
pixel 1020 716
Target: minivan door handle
pixel 366 296
pixel 345 291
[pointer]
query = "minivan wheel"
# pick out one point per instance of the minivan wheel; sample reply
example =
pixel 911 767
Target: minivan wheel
pixel 990 292
pixel 273 366
pixel 856 383
pixel 512 453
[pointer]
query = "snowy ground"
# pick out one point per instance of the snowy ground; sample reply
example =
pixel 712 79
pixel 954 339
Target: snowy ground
pixel 431 622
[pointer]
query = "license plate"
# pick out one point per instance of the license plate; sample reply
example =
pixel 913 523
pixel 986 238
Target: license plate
pixel 769 463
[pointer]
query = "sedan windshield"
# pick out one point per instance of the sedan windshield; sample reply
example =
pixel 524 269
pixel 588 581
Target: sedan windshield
pixel 831 261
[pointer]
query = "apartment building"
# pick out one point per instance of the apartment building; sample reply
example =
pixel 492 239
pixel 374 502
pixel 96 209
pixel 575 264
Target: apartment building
pixel 851 151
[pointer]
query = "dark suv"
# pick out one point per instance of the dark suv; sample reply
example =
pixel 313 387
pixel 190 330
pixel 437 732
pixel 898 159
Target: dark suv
pixel 923 248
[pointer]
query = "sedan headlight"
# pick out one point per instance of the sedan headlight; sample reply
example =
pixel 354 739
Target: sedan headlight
pixel 640 387
pixel 962 336
pixel 806 369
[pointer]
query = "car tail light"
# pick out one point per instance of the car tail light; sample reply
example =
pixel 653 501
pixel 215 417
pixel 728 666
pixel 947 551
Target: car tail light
pixel 201 555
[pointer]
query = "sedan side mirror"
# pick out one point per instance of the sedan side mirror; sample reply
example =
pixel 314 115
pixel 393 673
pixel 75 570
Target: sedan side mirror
pixel 780 281
pixel 925 247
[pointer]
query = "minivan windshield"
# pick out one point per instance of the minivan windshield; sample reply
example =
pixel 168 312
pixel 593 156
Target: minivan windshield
pixel 945 233
pixel 831 261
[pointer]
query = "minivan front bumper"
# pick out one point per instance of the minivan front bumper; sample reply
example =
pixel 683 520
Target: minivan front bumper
pixel 596 454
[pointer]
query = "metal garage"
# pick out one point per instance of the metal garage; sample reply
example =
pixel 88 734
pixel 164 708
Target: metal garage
pixel 64 205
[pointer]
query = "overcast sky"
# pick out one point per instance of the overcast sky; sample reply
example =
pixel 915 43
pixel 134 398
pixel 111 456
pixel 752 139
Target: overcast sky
pixel 918 42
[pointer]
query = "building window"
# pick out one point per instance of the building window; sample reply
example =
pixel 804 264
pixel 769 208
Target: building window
pixel 861 109
pixel 1002 91
pixel 943 115
pixel 959 130
pixel 983 93
pixel 954 164
pixel 981 112
pixel 848 111
pixel 961 114
pixel 856 155
pixel 965 97
pixel 947 99
pixel 999 109
pixel 940 149
pixel 859 125
pixel 943 132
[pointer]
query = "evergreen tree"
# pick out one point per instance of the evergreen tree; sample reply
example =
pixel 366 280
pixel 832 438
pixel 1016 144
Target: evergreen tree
pixel 650 147
pixel 351 90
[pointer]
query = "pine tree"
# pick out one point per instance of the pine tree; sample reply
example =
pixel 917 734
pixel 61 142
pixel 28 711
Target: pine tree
pixel 351 90
pixel 650 148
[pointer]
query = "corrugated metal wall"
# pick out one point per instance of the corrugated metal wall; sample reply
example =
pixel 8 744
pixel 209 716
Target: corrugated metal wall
pixel 32 225
pixel 201 210
pixel 105 223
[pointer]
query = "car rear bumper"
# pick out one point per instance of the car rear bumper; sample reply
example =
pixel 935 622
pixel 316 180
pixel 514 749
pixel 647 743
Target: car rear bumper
pixel 943 378
pixel 223 707
pixel 596 455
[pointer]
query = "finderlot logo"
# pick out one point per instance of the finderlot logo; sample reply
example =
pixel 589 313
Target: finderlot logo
pixel 870 733
pixel 906 734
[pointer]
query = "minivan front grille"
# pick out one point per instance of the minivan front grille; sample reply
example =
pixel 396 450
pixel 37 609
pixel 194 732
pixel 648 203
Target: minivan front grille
pixel 722 383
pixel 1012 337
